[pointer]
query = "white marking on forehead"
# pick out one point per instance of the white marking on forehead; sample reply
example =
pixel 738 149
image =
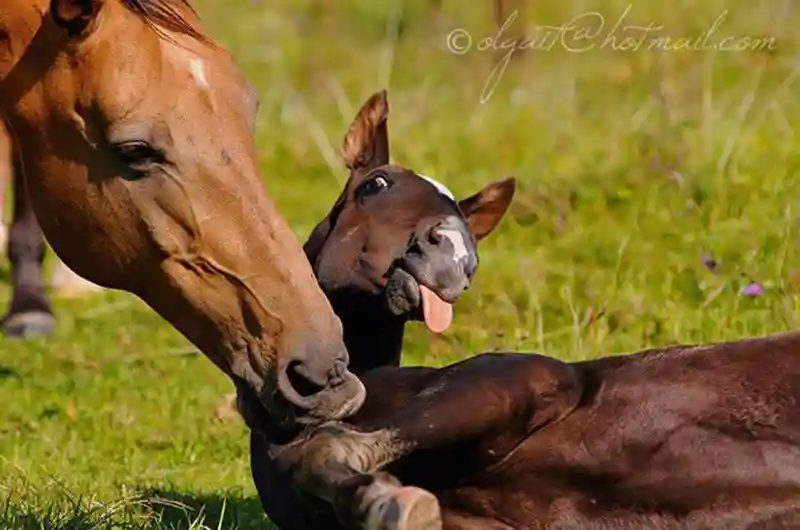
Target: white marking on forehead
pixel 457 240
pixel 441 187
pixel 198 69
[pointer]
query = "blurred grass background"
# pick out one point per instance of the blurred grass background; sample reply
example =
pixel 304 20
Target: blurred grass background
pixel 656 184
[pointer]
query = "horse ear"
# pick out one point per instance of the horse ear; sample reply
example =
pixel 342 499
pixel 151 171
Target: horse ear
pixel 75 15
pixel 366 144
pixel 485 209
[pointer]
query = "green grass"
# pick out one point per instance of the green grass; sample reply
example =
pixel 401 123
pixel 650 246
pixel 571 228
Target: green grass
pixel 632 165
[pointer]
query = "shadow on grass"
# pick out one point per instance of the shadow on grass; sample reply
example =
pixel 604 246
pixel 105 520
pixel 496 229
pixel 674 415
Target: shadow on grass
pixel 179 510
pixel 6 372
pixel 151 509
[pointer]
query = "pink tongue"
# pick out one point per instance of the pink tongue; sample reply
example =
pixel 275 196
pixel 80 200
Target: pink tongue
pixel 438 313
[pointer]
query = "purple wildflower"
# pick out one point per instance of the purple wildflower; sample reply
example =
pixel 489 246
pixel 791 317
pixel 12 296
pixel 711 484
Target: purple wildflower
pixel 753 289
pixel 709 261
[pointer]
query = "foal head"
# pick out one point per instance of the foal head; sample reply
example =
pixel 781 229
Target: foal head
pixel 396 245
pixel 136 134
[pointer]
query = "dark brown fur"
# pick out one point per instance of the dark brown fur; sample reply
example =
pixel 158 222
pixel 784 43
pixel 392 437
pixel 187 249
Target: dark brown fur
pixel 372 251
pixel 685 437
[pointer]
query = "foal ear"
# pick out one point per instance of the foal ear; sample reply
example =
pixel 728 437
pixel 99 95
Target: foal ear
pixel 75 15
pixel 366 144
pixel 485 209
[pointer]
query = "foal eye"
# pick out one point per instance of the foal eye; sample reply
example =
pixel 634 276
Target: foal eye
pixel 139 156
pixel 372 186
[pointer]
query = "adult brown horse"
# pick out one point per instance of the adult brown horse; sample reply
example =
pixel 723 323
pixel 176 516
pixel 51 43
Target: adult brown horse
pixel 135 135
pixel 694 437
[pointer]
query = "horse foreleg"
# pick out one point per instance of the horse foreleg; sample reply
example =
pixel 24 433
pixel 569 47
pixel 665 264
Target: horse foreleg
pixel 473 400
pixel 341 466
pixel 467 402
pixel 6 174
pixel 30 313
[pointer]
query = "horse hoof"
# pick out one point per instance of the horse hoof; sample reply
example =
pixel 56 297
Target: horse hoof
pixel 28 325
pixel 407 508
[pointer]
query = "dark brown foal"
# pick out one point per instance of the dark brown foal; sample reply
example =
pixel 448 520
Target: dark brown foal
pixel 688 437
pixel 396 246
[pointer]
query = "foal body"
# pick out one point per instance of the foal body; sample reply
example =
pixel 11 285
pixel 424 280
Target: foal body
pixel 684 437
pixel 681 437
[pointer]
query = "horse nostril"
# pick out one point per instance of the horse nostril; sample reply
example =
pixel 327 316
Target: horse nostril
pixel 336 375
pixel 301 380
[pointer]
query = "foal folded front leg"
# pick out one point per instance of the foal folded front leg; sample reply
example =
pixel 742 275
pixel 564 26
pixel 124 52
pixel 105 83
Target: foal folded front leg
pixel 340 465
pixel 474 400
pixel 466 402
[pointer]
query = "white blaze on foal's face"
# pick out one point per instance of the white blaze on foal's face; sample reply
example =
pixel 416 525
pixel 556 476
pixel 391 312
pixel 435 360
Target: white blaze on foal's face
pixel 454 236
pixel 457 240
pixel 440 187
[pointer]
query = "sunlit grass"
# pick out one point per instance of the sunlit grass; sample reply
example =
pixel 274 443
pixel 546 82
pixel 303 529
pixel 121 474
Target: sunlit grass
pixel 634 167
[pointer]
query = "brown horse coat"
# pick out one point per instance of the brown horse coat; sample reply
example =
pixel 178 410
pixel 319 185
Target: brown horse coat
pixel 683 437
pixel 134 131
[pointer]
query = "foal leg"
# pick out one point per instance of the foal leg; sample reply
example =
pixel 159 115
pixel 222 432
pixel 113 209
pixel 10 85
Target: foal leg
pixel 321 482
pixel 474 400
pixel 343 473
pixel 30 313
pixel 488 397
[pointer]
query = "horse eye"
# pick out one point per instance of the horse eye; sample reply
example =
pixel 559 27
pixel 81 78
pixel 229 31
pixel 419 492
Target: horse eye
pixel 139 156
pixel 372 186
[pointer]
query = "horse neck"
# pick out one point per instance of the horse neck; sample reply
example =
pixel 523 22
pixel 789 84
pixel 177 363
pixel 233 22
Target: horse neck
pixel 373 336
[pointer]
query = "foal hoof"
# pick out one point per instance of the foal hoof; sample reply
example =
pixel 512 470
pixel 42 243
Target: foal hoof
pixel 407 508
pixel 28 325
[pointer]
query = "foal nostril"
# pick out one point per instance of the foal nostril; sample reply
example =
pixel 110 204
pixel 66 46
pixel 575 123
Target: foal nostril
pixel 470 268
pixel 434 236
pixel 450 239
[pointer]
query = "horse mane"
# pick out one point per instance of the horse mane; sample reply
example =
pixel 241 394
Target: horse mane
pixel 167 14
